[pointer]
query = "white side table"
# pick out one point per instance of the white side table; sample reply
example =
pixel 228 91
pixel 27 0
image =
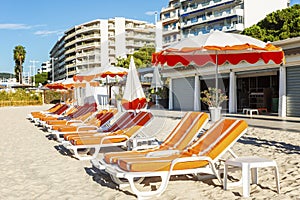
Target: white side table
pixel 246 164
pixel 245 110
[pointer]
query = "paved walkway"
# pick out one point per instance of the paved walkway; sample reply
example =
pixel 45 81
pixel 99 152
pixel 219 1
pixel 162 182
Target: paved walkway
pixel 259 121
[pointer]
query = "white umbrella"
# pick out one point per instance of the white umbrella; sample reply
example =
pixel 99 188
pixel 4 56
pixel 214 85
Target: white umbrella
pixel 134 97
pixel 156 79
pixel 218 48
pixel 156 82
pixel 102 72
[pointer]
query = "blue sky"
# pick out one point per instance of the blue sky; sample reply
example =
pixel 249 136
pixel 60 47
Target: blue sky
pixel 37 24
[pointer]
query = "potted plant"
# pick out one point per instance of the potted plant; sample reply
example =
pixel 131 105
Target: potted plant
pixel 214 97
pixel 118 97
pixel 163 96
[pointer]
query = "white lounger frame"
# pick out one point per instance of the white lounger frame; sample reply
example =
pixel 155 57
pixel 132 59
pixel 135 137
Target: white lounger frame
pixel 116 173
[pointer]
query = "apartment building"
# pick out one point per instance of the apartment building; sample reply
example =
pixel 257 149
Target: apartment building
pixel 127 36
pixel 99 43
pixel 202 16
pixel 184 18
pixel 57 60
pixel 169 18
pixel 45 67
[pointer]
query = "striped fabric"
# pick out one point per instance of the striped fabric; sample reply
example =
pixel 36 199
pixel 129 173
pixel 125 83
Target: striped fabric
pixel 213 143
pixel 179 138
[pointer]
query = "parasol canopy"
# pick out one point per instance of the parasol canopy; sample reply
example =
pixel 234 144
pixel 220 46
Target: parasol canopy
pixel 102 72
pixel 218 48
pixel 134 97
pixel 156 79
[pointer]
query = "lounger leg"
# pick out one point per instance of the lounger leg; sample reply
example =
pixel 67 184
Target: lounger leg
pixel 277 179
pixel 215 172
pixel 225 177
pixel 149 194
pixel 254 175
pixel 246 180
pixel 76 155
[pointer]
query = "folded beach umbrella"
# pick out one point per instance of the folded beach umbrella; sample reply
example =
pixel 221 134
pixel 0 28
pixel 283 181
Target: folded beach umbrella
pixel 134 97
pixel 156 79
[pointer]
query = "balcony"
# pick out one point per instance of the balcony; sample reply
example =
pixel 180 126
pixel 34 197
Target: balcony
pixel 169 42
pixel 217 16
pixel 70 58
pixel 135 44
pixel 70 35
pixel 88 45
pixel 170 31
pixel 70 51
pixel 204 6
pixel 111 26
pixel 72 42
pixel 171 18
pixel 87 37
pixel 112 52
pixel 140 37
pixel 235 27
pixel 88 28
pixel 170 8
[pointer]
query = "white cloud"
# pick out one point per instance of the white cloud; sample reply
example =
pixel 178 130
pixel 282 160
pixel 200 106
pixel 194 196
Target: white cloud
pixel 46 33
pixel 151 13
pixel 14 26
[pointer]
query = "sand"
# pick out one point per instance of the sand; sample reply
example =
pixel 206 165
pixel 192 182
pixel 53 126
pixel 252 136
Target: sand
pixel 31 167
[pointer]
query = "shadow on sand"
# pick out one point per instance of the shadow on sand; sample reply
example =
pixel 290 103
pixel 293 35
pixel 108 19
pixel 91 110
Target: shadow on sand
pixel 281 147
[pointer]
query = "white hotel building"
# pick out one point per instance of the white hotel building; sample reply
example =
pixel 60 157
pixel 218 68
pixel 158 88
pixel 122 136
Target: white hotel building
pixel 182 18
pixel 98 43
pixel 258 85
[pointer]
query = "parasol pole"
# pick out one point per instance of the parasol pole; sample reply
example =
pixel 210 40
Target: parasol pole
pixel 156 96
pixel 107 90
pixel 217 77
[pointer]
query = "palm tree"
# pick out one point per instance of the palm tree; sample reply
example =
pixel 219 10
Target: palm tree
pixel 19 57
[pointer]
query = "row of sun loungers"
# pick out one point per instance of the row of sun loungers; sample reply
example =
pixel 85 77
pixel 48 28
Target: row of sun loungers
pixel 188 148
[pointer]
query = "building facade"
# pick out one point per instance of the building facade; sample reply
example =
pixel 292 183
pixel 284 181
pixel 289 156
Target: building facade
pixel 170 19
pixel 259 85
pixel 185 18
pixel 57 61
pixel 98 43
pixel 45 67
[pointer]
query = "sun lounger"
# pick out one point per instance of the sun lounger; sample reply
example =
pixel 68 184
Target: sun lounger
pixel 94 122
pixel 51 125
pixel 86 109
pixel 120 123
pixel 100 120
pixel 116 138
pixel 36 114
pixel 201 157
pixel 58 112
pixel 183 134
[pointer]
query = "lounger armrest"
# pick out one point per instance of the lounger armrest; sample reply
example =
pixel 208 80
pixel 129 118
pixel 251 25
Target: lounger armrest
pixel 108 137
pixel 142 143
pixel 86 128
pixel 192 158
pixel 163 153
pixel 74 121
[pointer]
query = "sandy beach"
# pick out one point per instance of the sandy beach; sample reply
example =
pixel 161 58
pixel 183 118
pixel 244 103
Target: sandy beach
pixel 31 167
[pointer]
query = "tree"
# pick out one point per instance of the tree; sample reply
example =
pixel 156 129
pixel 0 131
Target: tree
pixel 41 78
pixel 19 57
pixel 142 58
pixel 278 25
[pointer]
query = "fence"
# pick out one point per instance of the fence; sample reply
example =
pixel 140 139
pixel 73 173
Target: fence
pixel 19 103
